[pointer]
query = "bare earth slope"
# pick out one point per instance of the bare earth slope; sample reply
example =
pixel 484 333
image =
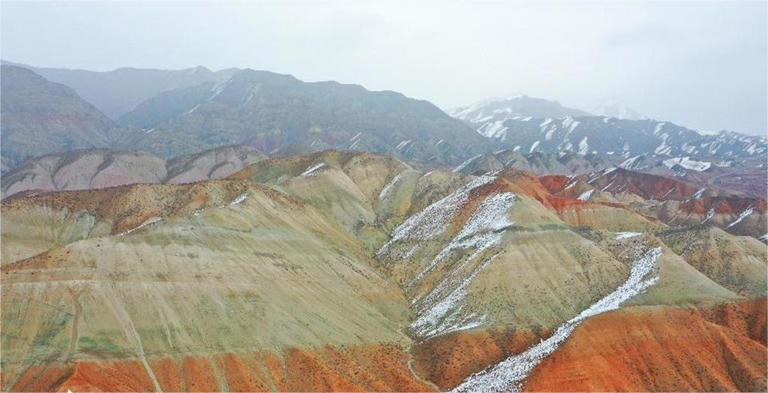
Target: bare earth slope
pixel 233 278
pixel 341 271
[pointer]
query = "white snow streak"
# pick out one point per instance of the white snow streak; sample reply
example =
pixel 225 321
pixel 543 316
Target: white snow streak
pixel 240 198
pixel 311 170
pixel 142 225
pixel 385 191
pixel 465 163
pixel 432 221
pixel 440 310
pixel 626 235
pixel 742 216
pixel 509 374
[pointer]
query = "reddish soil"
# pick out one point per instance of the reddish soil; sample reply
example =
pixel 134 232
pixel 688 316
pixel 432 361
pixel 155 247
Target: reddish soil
pixel 449 359
pixel 362 368
pixel 131 205
pixel 646 185
pixel 555 183
pixel 724 205
pixel 662 349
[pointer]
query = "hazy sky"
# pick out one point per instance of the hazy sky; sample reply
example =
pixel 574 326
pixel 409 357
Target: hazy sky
pixel 699 64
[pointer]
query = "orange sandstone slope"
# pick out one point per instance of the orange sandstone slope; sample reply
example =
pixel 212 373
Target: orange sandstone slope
pixel 347 369
pixel 721 348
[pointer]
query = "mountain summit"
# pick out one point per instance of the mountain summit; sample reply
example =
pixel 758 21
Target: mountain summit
pixel 277 113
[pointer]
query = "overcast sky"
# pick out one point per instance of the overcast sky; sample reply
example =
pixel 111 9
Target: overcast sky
pixel 699 64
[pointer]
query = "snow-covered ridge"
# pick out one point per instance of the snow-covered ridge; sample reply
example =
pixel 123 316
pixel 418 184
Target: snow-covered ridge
pixel 440 311
pixel 432 221
pixel 510 373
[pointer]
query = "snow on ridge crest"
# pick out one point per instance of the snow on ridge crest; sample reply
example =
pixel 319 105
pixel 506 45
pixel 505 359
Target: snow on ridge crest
pixel 432 221
pixel 509 374
pixel 439 311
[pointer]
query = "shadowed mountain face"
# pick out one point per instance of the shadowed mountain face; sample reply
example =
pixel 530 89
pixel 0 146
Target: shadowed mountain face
pixel 119 91
pixel 344 271
pixel 275 113
pixel 40 117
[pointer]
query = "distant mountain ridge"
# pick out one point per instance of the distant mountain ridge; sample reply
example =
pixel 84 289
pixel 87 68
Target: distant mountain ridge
pixel 118 91
pixel 275 112
pixel 617 130
pixel 611 136
pixel 40 117
pixel 488 116
pixel 272 112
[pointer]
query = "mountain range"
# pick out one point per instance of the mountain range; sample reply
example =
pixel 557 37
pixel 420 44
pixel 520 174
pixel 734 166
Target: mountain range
pixel 511 124
pixel 448 281
pixel 118 92
pixel 244 230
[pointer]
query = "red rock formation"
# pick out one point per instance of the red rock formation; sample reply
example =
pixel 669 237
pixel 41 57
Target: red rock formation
pixel 448 360
pixel 351 369
pixel 662 349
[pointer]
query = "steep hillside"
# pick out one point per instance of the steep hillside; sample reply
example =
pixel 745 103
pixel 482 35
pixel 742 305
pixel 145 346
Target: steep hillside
pixel 348 271
pixel 119 91
pixel 41 117
pixel 720 348
pixel 275 113
pixel 130 322
pixel 735 262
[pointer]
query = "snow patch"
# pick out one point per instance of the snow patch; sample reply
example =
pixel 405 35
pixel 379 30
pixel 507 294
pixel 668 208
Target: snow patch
pixel 584 146
pixel 483 229
pixel 741 217
pixel 142 225
pixel 312 170
pixel 385 191
pixel 465 163
pixel 687 163
pixel 240 198
pixel 585 195
pixel 627 235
